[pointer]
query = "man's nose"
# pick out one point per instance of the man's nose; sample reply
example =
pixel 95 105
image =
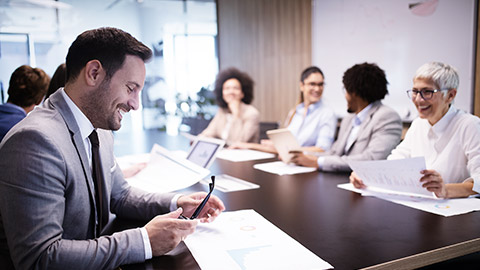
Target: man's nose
pixel 134 102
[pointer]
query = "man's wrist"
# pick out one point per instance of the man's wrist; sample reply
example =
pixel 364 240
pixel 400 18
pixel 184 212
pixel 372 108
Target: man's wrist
pixel 146 243
pixel 173 202
pixel 320 161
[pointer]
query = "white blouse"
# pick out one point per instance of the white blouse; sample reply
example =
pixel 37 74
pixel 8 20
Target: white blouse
pixel 450 147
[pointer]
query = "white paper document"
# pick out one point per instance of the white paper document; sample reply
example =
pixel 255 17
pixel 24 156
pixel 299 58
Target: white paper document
pixel 238 155
pixel 401 176
pixel 167 172
pixel 281 168
pixel 227 183
pixel 442 207
pixel 245 240
pixel 130 160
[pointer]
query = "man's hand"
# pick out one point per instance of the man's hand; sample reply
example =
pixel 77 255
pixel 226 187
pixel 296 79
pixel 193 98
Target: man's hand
pixel 299 158
pixel 166 231
pixel 210 211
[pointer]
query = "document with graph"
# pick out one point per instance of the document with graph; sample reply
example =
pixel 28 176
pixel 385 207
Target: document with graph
pixel 400 176
pixel 245 240
pixel 442 207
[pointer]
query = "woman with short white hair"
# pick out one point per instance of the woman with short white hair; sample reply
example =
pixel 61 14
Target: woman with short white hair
pixel 448 138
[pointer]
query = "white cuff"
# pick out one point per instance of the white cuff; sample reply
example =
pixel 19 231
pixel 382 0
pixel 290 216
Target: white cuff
pixel 146 243
pixel 173 202
pixel 320 161
pixel 476 184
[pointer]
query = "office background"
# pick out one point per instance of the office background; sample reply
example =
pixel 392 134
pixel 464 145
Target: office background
pixel 272 40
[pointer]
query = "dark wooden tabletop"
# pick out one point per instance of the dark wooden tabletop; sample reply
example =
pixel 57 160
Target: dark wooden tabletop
pixel 341 227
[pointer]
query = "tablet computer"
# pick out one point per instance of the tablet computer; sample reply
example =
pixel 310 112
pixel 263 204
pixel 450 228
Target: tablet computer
pixel 203 151
pixel 284 142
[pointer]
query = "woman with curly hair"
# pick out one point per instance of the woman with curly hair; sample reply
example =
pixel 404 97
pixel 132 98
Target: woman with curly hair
pixel 236 120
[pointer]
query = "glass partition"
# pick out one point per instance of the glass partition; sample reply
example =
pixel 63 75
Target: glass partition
pixel 182 35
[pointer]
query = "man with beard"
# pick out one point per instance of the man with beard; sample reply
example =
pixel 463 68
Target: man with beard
pixel 369 132
pixel 60 182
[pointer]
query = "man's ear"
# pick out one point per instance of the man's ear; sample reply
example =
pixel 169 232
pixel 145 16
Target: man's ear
pixel 94 73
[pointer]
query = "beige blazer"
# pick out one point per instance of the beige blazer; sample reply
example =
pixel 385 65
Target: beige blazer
pixel 243 129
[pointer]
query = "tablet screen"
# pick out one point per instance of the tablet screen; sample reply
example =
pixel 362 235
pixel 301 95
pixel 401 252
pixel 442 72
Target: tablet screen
pixel 203 152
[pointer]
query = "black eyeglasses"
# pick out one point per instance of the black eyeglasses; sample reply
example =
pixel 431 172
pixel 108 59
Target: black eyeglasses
pixel 426 94
pixel 312 84
pixel 205 200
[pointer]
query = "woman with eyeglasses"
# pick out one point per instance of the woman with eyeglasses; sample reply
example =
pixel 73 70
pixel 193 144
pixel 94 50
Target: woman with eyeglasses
pixel 447 137
pixel 311 121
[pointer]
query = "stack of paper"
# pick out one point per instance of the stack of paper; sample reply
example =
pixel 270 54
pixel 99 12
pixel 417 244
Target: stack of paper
pixel 237 155
pixel 440 207
pixel 281 168
pixel 227 183
pixel 167 172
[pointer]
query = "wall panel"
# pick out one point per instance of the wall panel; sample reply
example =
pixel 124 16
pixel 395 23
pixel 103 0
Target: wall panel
pixel 477 68
pixel 271 41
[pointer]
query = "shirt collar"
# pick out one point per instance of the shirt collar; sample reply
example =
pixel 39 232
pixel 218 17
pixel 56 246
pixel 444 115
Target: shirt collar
pixel 83 123
pixel 311 107
pixel 439 127
pixel 362 115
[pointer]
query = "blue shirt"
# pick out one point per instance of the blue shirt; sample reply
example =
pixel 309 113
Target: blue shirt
pixel 317 128
pixel 10 115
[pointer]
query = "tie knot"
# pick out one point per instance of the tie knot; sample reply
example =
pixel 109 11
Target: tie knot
pixel 94 138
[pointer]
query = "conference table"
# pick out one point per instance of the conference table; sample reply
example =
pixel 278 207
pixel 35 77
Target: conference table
pixel 345 229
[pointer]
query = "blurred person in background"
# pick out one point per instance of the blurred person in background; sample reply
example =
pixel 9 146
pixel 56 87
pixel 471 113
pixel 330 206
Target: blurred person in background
pixel 236 120
pixel 26 90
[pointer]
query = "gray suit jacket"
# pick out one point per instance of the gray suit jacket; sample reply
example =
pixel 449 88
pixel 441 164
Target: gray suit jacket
pixel 378 134
pixel 47 202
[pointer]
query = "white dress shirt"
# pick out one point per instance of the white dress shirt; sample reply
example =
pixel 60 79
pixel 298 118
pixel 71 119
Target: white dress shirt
pixel 450 147
pixel 86 128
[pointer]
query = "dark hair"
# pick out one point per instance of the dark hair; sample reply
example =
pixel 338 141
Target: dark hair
pixel 367 81
pixel 306 72
pixel 27 86
pixel 232 73
pixel 57 80
pixel 108 45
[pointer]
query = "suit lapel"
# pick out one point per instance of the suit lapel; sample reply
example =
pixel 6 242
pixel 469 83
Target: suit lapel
pixel 57 102
pixel 344 138
pixel 362 128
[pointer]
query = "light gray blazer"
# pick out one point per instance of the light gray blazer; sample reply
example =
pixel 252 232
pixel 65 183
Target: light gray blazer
pixel 47 197
pixel 378 134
